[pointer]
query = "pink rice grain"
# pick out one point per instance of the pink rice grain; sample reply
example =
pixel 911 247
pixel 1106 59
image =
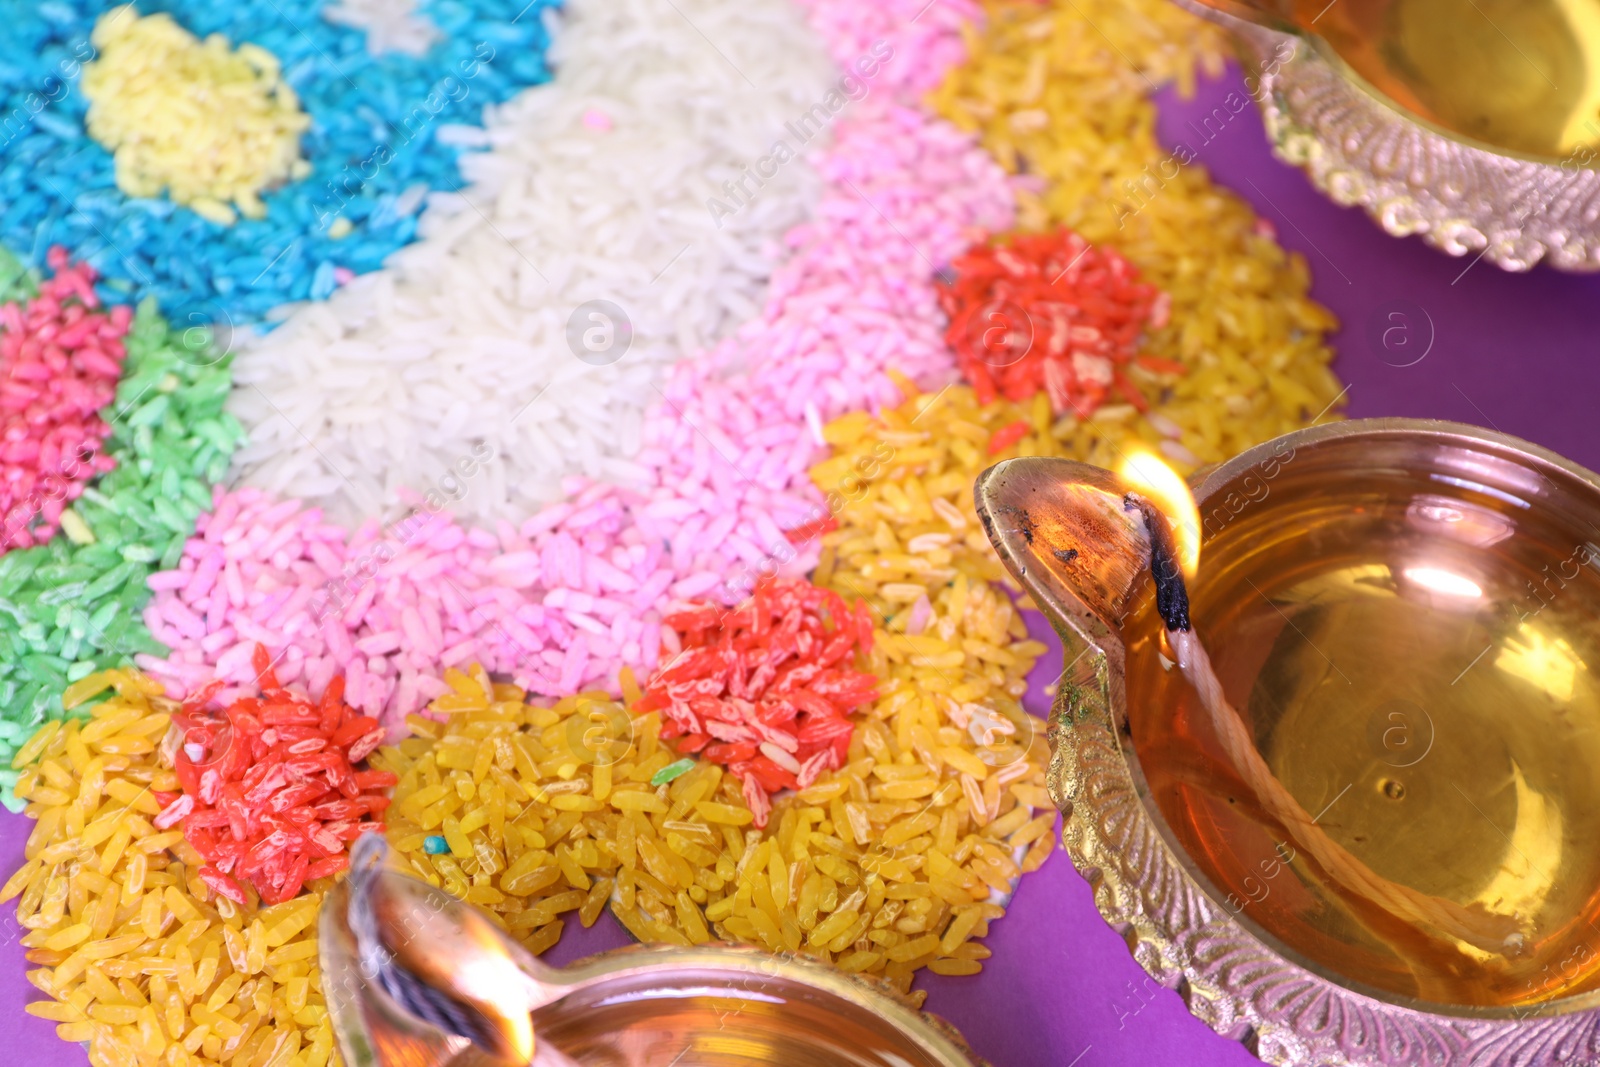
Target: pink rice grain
pixel 562 601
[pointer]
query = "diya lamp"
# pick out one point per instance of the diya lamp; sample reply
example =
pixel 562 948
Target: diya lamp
pixel 1476 125
pixel 1328 741
pixel 416 978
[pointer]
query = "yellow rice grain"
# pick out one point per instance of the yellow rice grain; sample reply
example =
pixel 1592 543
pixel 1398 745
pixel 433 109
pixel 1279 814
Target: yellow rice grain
pixel 210 125
pixel 546 844
pixel 140 961
pixel 1061 90
pixel 849 869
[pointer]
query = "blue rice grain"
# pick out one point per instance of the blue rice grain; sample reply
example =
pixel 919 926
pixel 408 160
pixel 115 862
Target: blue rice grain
pixel 374 131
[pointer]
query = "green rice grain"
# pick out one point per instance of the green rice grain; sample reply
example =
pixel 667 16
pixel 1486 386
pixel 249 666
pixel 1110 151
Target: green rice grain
pixel 78 608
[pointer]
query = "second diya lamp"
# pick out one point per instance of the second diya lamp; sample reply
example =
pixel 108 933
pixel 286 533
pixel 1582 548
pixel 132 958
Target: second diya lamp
pixel 1475 125
pixel 415 977
pixel 1339 783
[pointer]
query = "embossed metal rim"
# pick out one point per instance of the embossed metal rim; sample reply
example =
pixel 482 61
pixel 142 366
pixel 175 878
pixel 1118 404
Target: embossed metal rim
pixel 1411 178
pixel 1358 81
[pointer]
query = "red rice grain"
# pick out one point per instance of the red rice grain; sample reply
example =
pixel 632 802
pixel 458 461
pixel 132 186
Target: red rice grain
pixel 271 795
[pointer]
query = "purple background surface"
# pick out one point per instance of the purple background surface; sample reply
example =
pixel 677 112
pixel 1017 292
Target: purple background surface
pixel 1470 343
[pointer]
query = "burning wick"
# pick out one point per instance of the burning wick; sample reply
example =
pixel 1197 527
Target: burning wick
pixel 1172 595
pixel 1473 924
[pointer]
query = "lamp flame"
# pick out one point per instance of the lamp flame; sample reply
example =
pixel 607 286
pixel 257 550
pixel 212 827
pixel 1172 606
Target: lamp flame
pixel 1164 487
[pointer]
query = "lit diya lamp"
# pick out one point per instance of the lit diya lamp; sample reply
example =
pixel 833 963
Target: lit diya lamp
pixel 416 978
pixel 1340 785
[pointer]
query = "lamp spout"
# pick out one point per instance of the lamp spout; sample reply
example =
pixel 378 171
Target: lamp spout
pixel 1062 528
pixel 417 978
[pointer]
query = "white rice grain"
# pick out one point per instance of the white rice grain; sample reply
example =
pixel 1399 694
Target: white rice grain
pixel 365 400
pixel 390 25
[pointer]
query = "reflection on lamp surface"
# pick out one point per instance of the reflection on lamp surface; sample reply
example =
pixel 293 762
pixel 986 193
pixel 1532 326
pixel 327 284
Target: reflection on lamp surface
pixel 1548 663
pixel 1519 75
pixel 1447 583
pixel 1532 853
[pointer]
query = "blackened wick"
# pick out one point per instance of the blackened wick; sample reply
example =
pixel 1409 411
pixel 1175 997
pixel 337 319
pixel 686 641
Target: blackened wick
pixel 1172 595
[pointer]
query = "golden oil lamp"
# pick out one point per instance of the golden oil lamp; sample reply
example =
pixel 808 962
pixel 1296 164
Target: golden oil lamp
pixel 1475 123
pixel 1339 783
pixel 414 977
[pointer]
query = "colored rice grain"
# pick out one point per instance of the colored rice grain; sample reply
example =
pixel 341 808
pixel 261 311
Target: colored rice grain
pixel 1051 92
pixel 1050 312
pixel 931 40
pixel 71 607
pixel 208 125
pixel 766 688
pixel 909 544
pixel 385 131
pixel 384 609
pixel 898 485
pixel 730 446
pixel 271 794
pixel 547 811
pixel 899 488
pixel 953 658
pixel 892 864
pixel 60 357
pixel 561 601
pixel 901 859
pixel 905 855
pixel 545 301
pixel 139 958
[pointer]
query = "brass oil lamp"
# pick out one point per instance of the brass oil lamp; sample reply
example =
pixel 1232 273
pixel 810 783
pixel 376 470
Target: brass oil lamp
pixel 1475 123
pixel 1400 861
pixel 416 978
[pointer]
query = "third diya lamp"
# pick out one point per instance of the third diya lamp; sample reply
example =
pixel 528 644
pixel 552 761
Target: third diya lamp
pixel 1329 751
